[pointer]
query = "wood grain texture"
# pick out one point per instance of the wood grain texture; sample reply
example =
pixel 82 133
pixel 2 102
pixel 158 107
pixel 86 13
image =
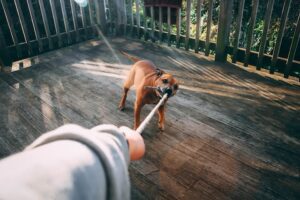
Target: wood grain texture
pixel 229 133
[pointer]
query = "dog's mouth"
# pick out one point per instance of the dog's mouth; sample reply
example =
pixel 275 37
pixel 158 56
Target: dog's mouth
pixel 170 91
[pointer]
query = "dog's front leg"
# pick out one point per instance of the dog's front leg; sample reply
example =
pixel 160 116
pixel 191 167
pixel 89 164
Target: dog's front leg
pixel 123 99
pixel 137 113
pixel 161 117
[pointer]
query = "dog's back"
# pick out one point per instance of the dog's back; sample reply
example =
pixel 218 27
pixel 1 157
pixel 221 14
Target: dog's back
pixel 138 72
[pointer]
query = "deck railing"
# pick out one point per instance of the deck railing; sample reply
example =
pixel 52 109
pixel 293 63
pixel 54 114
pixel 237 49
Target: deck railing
pixel 71 23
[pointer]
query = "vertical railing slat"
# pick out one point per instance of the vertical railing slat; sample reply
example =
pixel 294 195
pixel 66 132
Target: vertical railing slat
pixel 178 27
pixel 92 21
pixel 138 19
pixel 35 25
pixel 11 27
pixel 238 30
pixel 145 24
pixel 169 26
pixel 152 22
pixel 263 42
pixel 124 17
pixel 23 26
pixel 119 15
pixel 101 15
pixel 284 16
pixel 198 25
pixel 110 16
pixel 188 19
pixel 160 23
pixel 131 16
pixel 65 18
pixel 46 24
pixel 91 17
pixel 208 27
pixel 56 25
pixel 5 60
pixel 250 31
pixel 98 13
pixel 74 17
pixel 293 49
pixel 83 19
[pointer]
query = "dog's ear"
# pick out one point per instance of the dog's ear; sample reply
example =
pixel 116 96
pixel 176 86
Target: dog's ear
pixel 159 72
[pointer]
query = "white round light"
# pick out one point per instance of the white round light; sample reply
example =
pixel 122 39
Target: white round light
pixel 82 3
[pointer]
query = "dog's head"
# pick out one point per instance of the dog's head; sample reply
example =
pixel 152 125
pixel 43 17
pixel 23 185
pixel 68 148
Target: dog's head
pixel 166 82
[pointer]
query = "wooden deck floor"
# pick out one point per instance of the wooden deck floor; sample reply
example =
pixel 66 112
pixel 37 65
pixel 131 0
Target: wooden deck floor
pixel 229 133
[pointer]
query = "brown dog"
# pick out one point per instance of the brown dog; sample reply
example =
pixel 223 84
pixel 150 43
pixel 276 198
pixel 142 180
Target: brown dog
pixel 145 76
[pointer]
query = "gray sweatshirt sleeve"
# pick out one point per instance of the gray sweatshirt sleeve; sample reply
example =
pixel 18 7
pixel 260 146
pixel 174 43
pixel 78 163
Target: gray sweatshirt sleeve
pixel 70 162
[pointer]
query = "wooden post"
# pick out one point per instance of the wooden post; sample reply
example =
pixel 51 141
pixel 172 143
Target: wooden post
pixel 283 19
pixel 56 25
pixel 225 17
pixel 263 42
pixel 198 25
pixel 250 31
pixel 238 30
pixel 178 27
pixel 208 27
pixel 293 49
pixel 160 24
pixel 169 26
pixel 188 19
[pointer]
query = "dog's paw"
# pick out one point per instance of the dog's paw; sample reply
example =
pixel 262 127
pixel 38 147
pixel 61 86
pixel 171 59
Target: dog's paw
pixel 161 127
pixel 121 108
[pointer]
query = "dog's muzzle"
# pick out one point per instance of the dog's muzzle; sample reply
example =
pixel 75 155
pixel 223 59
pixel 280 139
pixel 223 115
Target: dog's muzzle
pixel 165 90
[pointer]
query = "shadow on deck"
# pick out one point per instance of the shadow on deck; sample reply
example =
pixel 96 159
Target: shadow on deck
pixel 229 133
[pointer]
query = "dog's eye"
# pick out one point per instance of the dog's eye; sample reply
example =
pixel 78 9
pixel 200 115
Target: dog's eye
pixel 175 87
pixel 165 81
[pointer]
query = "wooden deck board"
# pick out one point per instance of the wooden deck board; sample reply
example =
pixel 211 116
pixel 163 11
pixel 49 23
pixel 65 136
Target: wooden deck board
pixel 229 133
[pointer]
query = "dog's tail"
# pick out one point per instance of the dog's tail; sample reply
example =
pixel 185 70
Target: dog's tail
pixel 130 57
